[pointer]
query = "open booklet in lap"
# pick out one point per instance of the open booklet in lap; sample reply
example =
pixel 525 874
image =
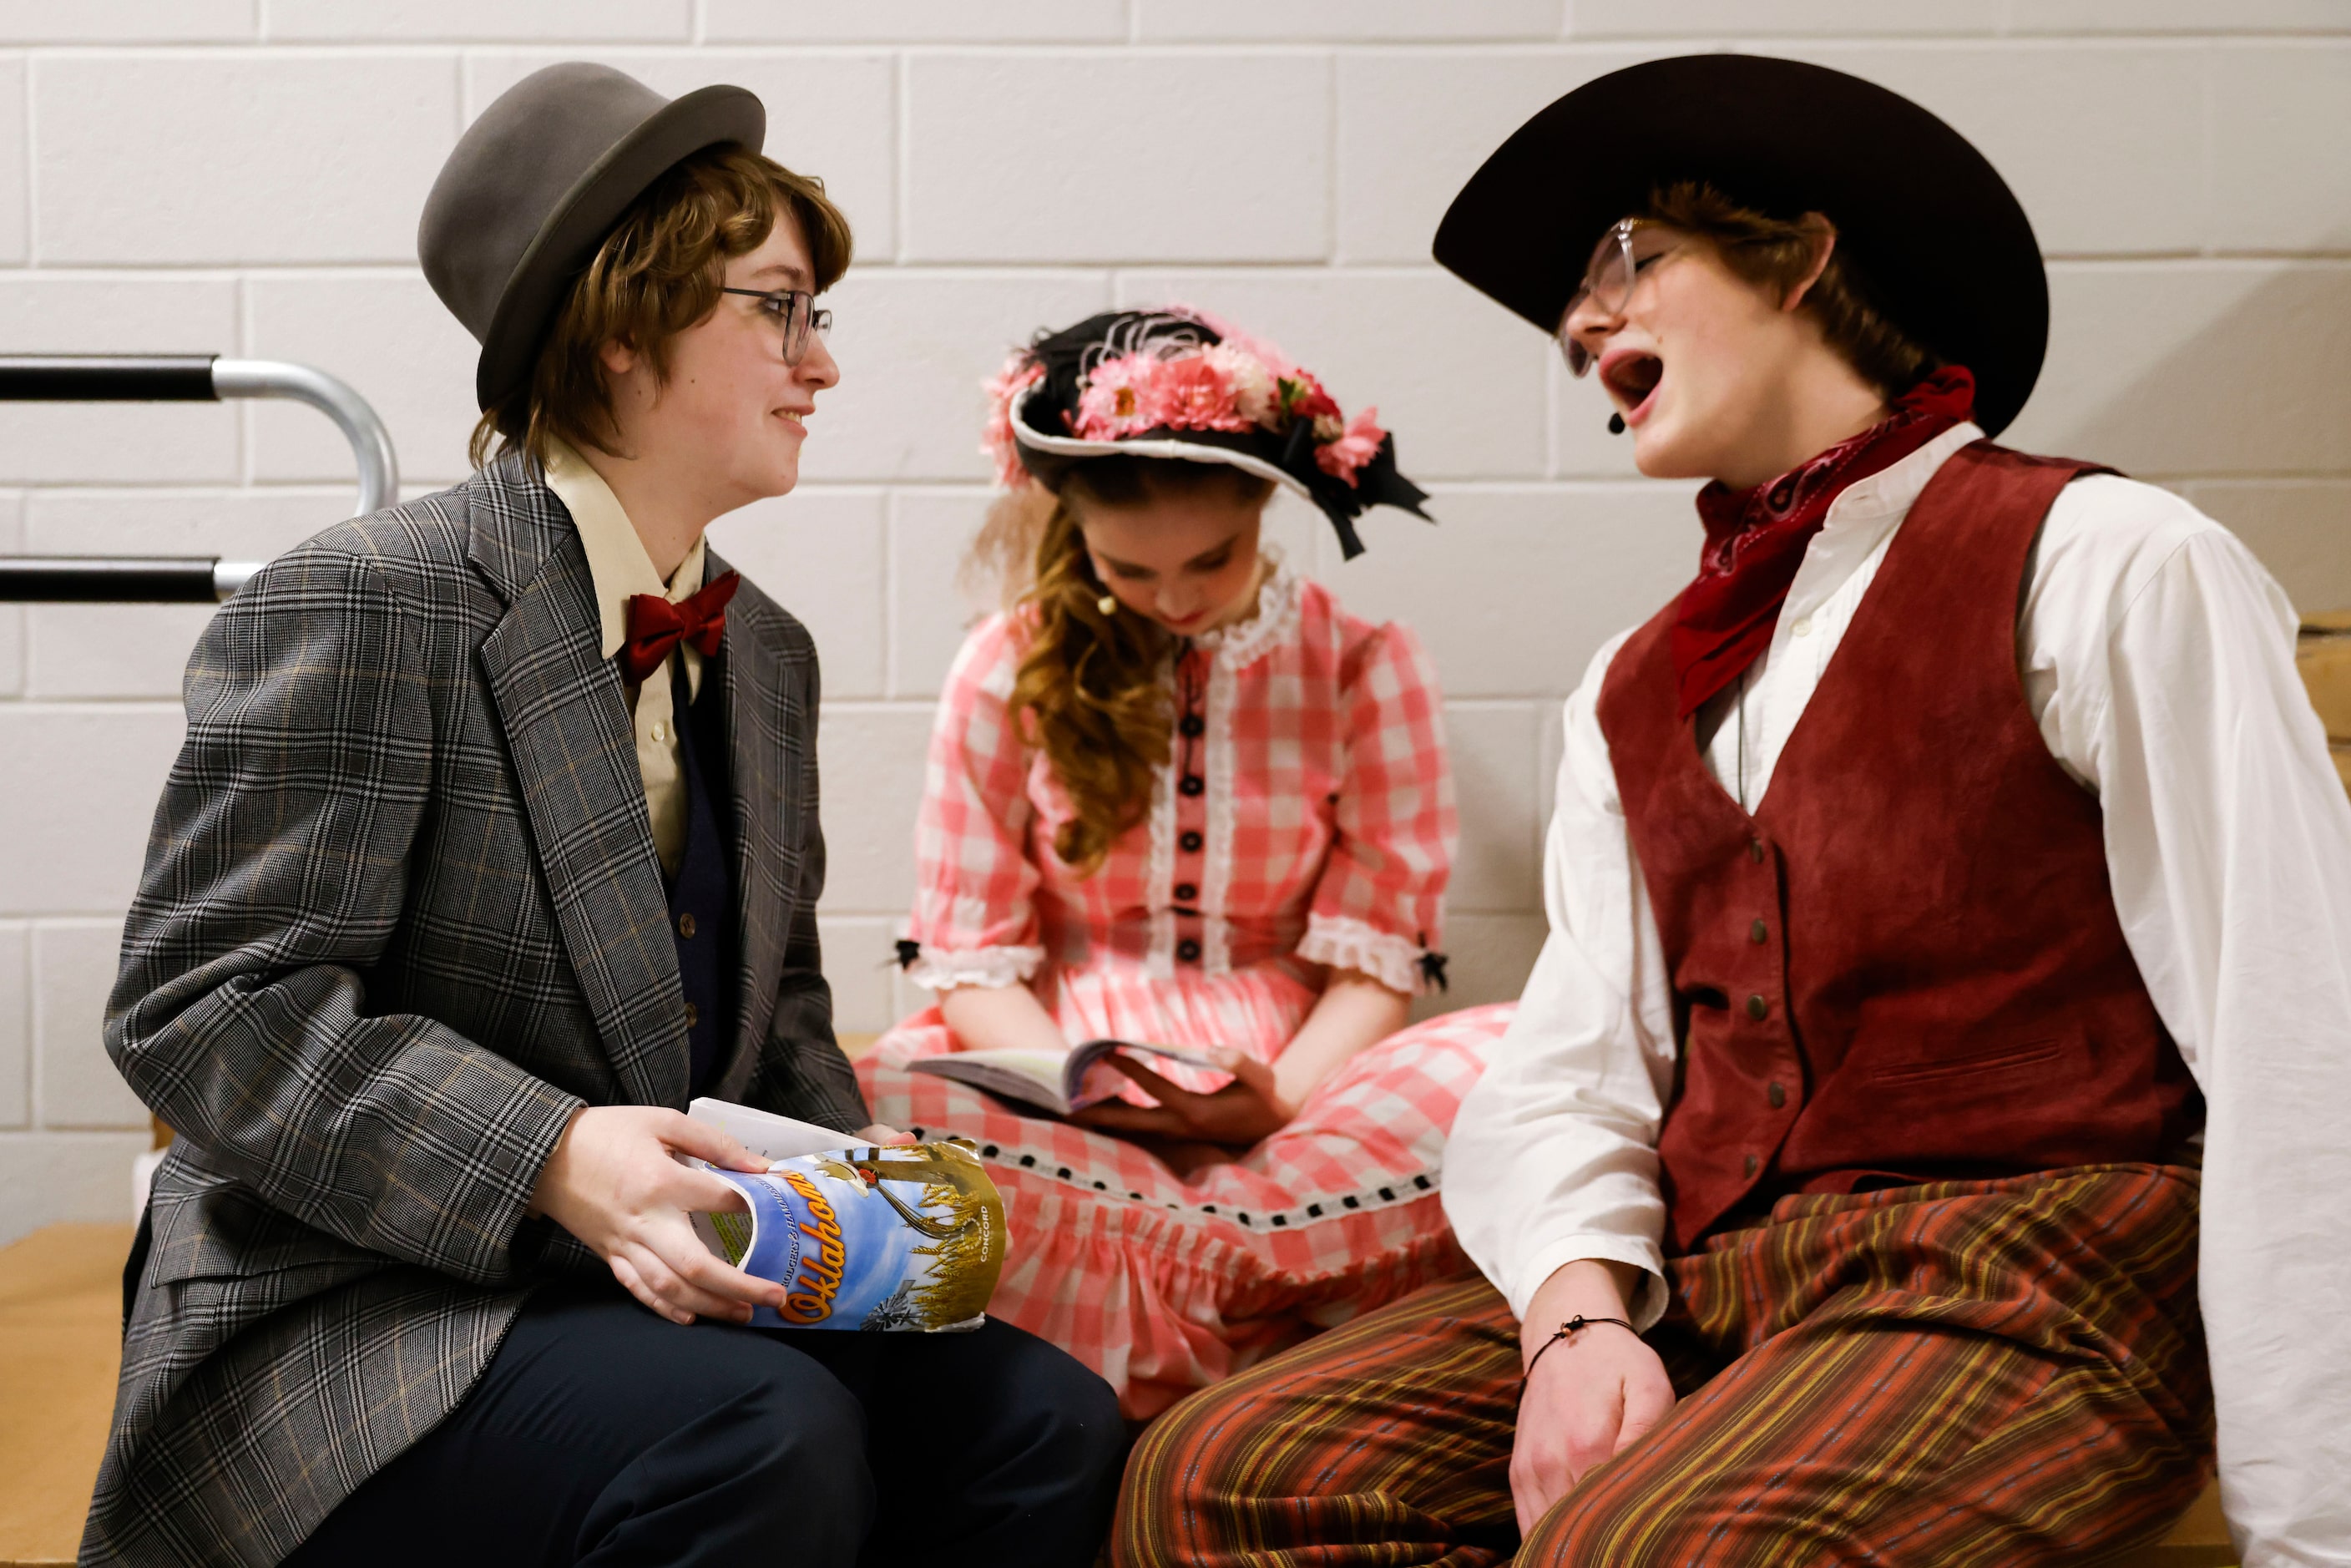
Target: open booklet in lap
pixel 1057 1081
pixel 902 1239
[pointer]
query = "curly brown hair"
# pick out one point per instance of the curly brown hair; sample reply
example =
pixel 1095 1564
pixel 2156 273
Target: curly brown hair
pixel 656 274
pixel 1777 253
pixel 1091 692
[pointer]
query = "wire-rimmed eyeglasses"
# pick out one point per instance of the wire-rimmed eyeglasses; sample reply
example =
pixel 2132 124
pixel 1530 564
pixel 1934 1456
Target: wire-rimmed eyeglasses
pixel 794 310
pixel 1607 287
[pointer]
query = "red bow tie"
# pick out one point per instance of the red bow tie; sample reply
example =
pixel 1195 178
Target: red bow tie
pixel 657 626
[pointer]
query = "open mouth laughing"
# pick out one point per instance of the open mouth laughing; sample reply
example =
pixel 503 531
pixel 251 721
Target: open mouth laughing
pixel 1631 376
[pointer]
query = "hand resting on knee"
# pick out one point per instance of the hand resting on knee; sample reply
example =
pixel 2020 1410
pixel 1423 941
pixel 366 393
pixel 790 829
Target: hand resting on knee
pixel 1595 1394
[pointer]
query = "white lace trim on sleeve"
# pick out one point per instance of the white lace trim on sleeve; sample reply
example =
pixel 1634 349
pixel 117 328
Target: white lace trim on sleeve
pixel 1342 943
pixel 943 969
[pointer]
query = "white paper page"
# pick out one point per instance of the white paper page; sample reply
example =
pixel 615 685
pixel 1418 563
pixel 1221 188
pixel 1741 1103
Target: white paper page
pixel 1015 1073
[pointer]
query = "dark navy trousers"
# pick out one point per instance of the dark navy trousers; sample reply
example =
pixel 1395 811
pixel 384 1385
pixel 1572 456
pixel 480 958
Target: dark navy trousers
pixel 602 1435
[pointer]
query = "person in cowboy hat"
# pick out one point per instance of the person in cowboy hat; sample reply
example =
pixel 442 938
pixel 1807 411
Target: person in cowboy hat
pixel 1952 869
pixel 492 840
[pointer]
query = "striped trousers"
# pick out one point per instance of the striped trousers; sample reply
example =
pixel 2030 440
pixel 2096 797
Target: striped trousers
pixel 2005 1373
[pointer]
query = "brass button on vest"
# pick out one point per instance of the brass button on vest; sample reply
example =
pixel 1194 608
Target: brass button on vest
pixel 1759 932
pixel 693 1015
pixel 1777 1095
pixel 1757 1007
pixel 1755 851
pixel 686 924
pixel 1751 1161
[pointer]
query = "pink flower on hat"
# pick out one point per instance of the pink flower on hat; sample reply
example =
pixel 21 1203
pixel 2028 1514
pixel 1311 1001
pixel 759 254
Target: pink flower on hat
pixel 1255 392
pixel 1121 398
pixel 1279 365
pixel 1143 392
pixel 1003 390
pixel 1194 392
pixel 1175 382
pixel 1344 458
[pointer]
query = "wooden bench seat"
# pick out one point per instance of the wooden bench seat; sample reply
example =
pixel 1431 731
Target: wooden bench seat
pixel 61 1310
pixel 60 1342
pixel 2324 657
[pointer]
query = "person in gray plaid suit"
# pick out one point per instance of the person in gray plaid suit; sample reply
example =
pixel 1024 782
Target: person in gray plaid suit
pixel 494 839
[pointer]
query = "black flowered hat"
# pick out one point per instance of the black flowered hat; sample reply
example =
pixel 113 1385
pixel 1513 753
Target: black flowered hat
pixel 1178 383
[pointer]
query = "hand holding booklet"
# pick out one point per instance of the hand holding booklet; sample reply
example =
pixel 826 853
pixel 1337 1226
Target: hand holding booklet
pixel 908 1238
pixel 1057 1081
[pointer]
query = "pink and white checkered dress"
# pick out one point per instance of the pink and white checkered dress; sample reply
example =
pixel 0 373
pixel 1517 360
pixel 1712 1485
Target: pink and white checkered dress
pixel 1305 822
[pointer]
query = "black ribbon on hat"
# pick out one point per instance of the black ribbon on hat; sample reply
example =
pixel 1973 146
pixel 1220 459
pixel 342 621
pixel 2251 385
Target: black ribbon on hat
pixel 1377 484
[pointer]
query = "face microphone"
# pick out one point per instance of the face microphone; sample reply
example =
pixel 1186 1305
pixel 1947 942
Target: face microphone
pixel 1615 425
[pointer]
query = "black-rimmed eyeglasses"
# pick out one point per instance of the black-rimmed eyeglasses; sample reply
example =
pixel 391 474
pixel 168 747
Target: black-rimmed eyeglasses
pixel 794 311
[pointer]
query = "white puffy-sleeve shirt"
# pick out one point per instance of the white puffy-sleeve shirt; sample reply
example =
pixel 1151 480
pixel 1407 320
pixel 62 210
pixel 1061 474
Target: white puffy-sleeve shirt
pixel 2157 659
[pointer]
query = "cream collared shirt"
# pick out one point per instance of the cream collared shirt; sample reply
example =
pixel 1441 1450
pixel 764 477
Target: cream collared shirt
pixel 619 568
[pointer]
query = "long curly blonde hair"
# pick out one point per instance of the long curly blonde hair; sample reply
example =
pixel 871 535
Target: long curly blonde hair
pixel 1090 691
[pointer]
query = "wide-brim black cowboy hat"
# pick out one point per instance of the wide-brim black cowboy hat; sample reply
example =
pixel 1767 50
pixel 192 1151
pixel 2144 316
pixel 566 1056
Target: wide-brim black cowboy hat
pixel 535 184
pixel 1938 240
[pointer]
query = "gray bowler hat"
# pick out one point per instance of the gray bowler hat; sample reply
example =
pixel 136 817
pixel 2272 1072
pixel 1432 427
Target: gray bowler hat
pixel 536 183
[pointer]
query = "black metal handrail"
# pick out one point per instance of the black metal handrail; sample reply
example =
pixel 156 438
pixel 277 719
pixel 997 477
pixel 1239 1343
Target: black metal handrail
pixel 179 378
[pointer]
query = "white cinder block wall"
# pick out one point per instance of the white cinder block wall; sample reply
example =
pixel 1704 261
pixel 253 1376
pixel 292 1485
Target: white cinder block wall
pixel 243 176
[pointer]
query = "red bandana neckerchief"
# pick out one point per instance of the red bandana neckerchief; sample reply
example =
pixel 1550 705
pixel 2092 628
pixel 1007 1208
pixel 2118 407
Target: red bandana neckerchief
pixel 1755 540
pixel 657 626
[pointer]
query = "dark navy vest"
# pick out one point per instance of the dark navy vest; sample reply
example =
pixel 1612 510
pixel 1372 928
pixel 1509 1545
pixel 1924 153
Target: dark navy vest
pixel 701 890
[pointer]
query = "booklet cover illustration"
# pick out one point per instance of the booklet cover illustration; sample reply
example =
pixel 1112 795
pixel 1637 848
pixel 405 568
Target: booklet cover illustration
pixel 876 1238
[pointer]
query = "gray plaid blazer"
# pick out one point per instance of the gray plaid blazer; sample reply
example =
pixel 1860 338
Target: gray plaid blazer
pixel 401 915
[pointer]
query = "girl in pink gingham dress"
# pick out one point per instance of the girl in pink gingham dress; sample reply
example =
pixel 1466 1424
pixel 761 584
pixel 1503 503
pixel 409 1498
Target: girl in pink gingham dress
pixel 1299 832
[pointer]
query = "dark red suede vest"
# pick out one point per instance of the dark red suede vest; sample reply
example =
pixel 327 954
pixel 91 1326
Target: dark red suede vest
pixel 1906 966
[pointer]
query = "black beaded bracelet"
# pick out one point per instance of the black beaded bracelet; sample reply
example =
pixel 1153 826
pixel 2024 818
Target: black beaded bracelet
pixel 1578 1322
